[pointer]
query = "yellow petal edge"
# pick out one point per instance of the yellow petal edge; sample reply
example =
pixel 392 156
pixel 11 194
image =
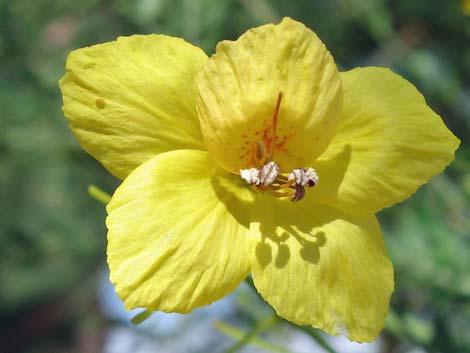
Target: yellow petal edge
pixel 178 229
pixel 389 142
pixel 238 89
pixel 319 267
pixel 133 98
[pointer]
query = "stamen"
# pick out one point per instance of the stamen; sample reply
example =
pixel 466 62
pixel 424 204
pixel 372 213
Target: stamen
pixel 304 177
pixel 268 173
pixel 274 132
pixel 299 193
pixel 283 186
pixel 283 194
pixel 262 177
pixel 260 152
pixel 312 177
pixel 251 176
pixel 282 178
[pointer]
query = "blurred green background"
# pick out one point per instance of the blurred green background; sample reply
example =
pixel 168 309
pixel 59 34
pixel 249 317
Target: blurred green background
pixel 52 234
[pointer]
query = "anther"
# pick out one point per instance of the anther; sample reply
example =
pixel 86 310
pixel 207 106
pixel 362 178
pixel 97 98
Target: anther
pixel 268 178
pixel 260 152
pixel 263 176
pixel 251 176
pixel 299 193
pixel 304 177
pixel 268 173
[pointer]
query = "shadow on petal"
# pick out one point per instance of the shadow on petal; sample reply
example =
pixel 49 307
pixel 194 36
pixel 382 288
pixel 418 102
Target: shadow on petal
pixel 232 191
pixel 280 221
pixel 283 255
pixel 264 254
pixel 332 171
pixel 310 251
pixel 308 244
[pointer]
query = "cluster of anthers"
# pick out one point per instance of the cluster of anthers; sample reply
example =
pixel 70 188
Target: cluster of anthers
pixel 268 176
pixel 291 185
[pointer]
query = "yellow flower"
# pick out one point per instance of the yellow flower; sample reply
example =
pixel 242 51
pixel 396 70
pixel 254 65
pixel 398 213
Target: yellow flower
pixel 213 150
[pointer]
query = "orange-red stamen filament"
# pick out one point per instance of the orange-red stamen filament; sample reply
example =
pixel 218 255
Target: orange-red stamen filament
pixel 283 186
pixel 283 194
pixel 274 132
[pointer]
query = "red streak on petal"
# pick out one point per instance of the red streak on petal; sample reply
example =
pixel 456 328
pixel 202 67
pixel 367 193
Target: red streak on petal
pixel 274 125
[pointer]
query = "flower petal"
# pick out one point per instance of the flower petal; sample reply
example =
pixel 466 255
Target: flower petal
pixel 319 267
pixel 133 98
pixel 388 144
pixel 178 228
pixel 239 89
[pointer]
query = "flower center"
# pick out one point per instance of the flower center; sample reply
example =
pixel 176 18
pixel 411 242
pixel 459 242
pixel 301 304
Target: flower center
pixel 265 175
pixel 280 184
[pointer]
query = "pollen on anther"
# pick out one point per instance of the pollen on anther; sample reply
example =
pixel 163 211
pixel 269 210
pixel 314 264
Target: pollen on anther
pixel 100 103
pixel 251 176
pixel 304 177
pixel 268 173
